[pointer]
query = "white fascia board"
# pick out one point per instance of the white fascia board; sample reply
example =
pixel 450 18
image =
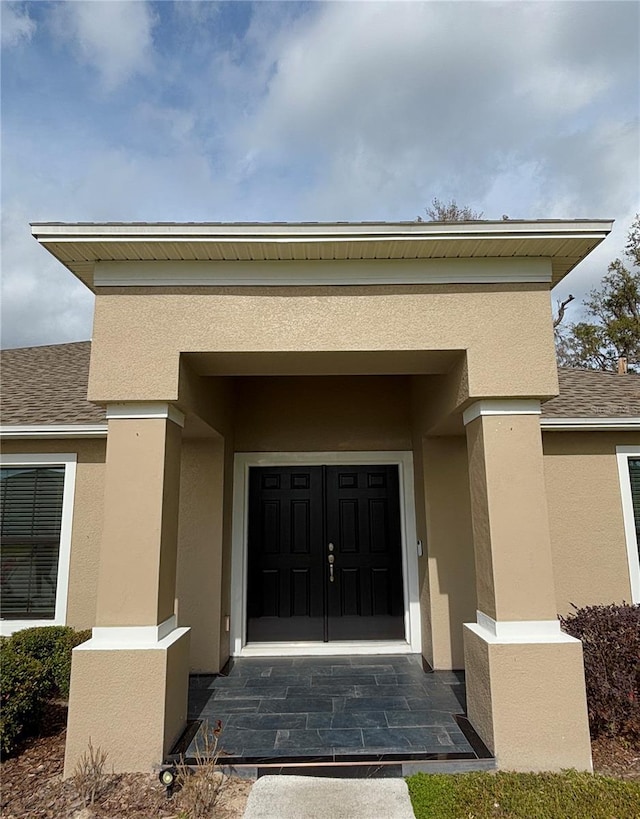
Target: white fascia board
pixel 589 424
pixel 292 232
pixel 22 431
pixel 319 272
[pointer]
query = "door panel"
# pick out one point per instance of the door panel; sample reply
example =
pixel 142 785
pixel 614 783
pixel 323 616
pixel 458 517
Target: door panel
pixel 365 600
pixel 285 594
pixel 294 513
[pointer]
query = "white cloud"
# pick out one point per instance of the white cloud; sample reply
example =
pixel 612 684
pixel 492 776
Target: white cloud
pixel 42 303
pixel 112 36
pixel 17 25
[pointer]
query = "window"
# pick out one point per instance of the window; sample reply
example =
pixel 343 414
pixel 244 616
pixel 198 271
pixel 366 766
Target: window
pixel 36 503
pixel 629 470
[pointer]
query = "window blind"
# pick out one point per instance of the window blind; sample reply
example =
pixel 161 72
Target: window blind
pixel 634 477
pixel 30 521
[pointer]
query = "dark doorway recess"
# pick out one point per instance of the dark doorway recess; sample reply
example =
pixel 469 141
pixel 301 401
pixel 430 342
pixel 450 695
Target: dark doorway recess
pixel 324 554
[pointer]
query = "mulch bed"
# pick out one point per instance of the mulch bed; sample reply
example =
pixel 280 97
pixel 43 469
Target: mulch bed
pixel 615 757
pixel 32 785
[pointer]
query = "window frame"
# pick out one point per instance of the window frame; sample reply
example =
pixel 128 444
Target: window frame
pixel 68 460
pixel 624 454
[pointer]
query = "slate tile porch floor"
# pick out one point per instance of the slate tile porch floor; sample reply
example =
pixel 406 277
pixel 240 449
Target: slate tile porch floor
pixel 330 708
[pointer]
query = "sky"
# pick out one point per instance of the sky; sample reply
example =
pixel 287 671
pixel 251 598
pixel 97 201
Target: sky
pixel 287 111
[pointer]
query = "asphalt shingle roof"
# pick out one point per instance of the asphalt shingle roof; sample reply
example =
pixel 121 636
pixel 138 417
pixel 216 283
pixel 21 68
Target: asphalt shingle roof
pixel 594 394
pixel 48 385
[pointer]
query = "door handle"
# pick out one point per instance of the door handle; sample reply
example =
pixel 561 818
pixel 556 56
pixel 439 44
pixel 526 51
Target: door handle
pixel 331 560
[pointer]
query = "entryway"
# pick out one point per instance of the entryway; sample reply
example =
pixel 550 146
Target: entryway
pixel 324 548
pixel 279 713
pixel 324 554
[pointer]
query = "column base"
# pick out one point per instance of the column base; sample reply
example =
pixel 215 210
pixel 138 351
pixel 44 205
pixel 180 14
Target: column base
pixel 129 699
pixel 526 699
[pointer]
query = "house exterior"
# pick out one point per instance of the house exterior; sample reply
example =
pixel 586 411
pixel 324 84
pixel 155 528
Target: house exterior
pixel 319 438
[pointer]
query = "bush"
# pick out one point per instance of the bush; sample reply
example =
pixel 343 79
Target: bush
pixel 24 687
pixel 52 646
pixel 611 645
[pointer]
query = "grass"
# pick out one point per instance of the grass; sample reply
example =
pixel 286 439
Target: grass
pixel 502 795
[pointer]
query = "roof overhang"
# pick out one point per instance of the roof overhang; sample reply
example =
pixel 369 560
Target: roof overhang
pixel 81 246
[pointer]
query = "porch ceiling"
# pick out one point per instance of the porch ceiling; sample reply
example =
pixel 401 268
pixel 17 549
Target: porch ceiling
pixel 79 246
pixel 385 362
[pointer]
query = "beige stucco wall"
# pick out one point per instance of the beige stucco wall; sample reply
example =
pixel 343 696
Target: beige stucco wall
pixel 87 519
pixel 130 703
pixel 322 414
pixel 585 516
pixel 137 576
pixel 527 702
pixel 200 537
pixel 449 548
pixel 139 334
pixel 511 538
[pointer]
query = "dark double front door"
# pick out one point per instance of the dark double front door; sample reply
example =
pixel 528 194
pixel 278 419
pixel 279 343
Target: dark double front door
pixel 324 554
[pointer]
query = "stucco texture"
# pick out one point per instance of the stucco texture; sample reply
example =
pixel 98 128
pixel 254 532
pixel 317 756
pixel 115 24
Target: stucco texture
pixel 528 703
pixel 510 521
pixel 138 555
pixel 585 516
pixel 449 548
pixel 322 414
pixel 200 546
pixel 138 336
pixel 131 703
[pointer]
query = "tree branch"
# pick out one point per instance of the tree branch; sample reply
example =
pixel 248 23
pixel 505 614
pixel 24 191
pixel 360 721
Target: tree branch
pixel 562 306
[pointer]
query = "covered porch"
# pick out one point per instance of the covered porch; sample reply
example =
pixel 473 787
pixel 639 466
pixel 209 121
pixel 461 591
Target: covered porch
pixel 342 714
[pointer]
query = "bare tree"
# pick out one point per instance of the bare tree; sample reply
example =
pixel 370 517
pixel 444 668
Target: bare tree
pixel 450 212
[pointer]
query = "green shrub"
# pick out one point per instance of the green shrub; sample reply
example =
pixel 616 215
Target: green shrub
pixel 52 646
pixel 24 687
pixel 611 647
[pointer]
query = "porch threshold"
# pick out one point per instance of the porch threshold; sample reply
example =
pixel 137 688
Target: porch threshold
pixel 318 649
pixel 343 715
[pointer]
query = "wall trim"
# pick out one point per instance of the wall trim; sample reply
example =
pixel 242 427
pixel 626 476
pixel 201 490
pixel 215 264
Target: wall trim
pixel 121 638
pixel 623 453
pixel 589 424
pixel 144 409
pixel 258 273
pixel 68 460
pixel 245 460
pixel 501 406
pixel 338 648
pixel 518 631
pixel 53 431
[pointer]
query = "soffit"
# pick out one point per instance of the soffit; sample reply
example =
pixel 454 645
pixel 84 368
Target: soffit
pixel 79 246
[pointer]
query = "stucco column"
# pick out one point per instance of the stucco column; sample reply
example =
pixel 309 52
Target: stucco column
pixel 129 682
pixel 525 678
